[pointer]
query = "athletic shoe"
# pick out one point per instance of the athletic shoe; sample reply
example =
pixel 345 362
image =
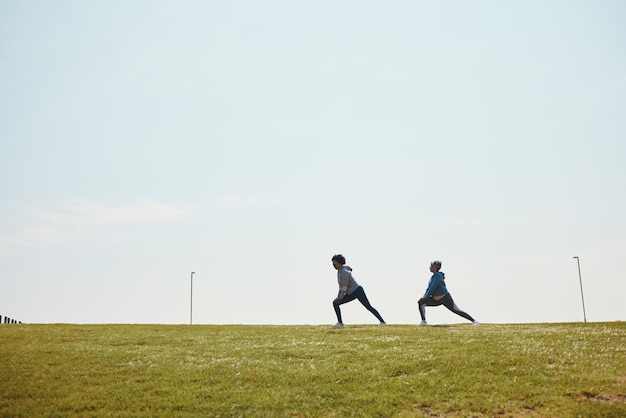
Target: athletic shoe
pixel 338 325
pixel 382 324
pixel 423 323
pixel 475 323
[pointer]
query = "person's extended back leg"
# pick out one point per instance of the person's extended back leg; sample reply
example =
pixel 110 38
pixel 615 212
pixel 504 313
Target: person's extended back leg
pixel 449 303
pixel 365 302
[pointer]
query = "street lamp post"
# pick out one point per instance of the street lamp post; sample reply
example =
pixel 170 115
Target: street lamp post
pixel 580 279
pixel 191 301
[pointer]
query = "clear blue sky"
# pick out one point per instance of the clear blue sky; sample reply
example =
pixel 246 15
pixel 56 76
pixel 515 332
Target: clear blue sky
pixel 249 141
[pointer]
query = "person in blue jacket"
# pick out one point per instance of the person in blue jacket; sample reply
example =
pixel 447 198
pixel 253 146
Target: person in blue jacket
pixel 437 294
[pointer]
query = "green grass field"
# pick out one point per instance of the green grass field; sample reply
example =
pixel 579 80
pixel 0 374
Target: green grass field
pixel 363 370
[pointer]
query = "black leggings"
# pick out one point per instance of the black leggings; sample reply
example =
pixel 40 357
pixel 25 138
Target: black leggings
pixel 359 294
pixel 445 301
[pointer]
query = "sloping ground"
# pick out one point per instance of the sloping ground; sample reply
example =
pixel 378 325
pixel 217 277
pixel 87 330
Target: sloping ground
pixel 398 370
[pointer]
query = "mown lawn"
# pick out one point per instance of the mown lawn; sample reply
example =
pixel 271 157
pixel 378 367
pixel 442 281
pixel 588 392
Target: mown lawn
pixel 399 370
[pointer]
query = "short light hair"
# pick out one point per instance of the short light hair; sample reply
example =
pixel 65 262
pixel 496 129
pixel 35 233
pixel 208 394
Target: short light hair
pixel 436 263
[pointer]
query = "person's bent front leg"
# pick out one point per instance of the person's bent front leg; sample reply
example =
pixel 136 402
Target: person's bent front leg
pixel 422 308
pixel 337 311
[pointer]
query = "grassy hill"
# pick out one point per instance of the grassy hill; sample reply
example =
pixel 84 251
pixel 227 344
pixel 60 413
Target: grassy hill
pixel 400 370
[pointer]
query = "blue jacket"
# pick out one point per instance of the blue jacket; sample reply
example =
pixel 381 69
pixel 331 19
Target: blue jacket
pixel 436 285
